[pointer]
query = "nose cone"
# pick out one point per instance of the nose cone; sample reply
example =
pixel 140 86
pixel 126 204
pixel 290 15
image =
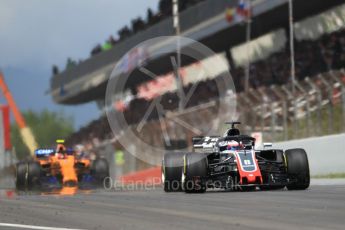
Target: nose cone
pixel 68 170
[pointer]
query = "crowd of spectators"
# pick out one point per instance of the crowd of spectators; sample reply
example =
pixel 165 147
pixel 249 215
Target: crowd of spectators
pixel 99 130
pixel 93 133
pixel 204 92
pixel 138 24
pixel 311 57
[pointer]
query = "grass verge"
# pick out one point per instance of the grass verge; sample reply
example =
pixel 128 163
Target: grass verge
pixel 329 176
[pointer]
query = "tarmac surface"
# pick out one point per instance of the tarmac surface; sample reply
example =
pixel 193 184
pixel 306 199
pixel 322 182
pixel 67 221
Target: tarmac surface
pixel 322 206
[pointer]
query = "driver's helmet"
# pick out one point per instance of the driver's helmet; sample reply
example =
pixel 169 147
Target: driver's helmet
pixel 233 132
pixel 60 151
pixel 233 145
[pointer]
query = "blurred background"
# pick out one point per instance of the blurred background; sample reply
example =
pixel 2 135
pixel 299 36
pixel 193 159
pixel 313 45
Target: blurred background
pixel 286 59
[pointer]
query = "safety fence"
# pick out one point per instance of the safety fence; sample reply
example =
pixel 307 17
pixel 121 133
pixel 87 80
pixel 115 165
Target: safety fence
pixel 313 107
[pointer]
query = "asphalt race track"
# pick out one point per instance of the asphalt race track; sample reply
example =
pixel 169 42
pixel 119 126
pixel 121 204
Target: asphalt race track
pixel 320 207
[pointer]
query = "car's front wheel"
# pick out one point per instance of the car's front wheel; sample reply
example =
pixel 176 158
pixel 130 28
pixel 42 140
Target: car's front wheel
pixel 27 175
pixel 34 175
pixel 297 166
pixel 172 165
pixel 195 172
pixel 21 175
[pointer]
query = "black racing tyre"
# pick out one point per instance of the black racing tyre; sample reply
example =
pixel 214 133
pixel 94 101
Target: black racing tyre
pixel 100 171
pixel 195 172
pixel 34 174
pixel 172 166
pixel 21 175
pixel 297 169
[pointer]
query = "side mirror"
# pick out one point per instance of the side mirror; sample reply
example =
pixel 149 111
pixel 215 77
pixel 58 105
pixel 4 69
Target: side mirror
pixel 268 145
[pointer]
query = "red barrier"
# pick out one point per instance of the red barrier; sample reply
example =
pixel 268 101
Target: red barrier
pixel 7 194
pixel 151 176
pixel 5 112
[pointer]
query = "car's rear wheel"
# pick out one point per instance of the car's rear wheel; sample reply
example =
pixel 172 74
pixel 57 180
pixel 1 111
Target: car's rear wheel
pixel 172 166
pixel 195 172
pixel 100 171
pixel 297 169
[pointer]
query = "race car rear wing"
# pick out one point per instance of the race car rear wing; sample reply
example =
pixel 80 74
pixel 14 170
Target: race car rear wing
pixel 40 153
pixel 46 152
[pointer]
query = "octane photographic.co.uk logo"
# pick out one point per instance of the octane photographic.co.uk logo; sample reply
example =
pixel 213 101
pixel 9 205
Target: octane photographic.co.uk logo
pixel 152 104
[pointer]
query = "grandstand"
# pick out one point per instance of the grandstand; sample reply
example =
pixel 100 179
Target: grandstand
pixel 268 107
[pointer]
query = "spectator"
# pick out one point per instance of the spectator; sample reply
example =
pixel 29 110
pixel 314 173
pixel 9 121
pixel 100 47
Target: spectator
pixel 137 25
pixel 124 33
pixel 55 70
pixel 70 63
pixel 112 40
pixel 165 7
pixel 106 46
pixel 96 50
pixel 149 17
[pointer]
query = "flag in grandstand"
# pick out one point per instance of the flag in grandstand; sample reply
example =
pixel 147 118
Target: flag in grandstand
pixel 243 9
pixel 230 14
pixel 240 13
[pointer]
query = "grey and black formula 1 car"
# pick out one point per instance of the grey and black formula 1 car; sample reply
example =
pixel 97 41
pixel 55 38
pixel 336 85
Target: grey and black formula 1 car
pixel 231 162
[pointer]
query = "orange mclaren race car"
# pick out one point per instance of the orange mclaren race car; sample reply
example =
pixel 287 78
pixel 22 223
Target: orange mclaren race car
pixel 52 168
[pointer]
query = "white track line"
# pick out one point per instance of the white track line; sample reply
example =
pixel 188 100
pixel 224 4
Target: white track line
pixel 33 227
